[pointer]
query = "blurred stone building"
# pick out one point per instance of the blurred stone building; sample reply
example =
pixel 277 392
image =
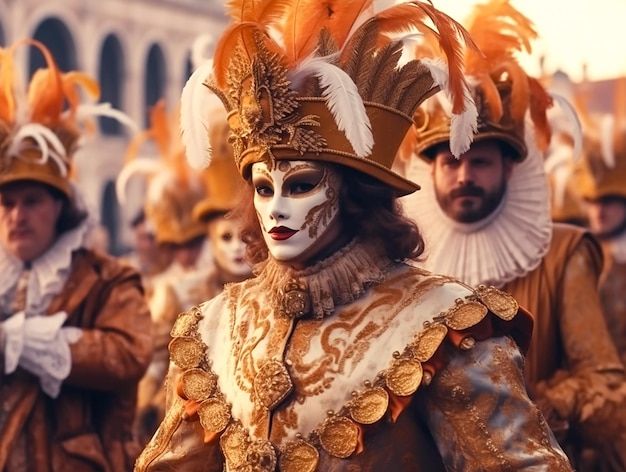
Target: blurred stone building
pixel 139 50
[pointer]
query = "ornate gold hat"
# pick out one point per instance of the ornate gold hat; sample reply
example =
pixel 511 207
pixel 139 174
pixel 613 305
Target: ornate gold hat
pixel 602 171
pixel 502 91
pixel 173 188
pixel 323 81
pixel 222 181
pixel 39 133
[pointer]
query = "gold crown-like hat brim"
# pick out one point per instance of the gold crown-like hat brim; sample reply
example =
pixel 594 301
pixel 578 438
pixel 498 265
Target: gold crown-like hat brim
pixel 18 170
pixel 388 127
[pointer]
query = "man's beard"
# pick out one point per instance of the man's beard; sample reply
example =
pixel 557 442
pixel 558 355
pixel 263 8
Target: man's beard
pixel 489 202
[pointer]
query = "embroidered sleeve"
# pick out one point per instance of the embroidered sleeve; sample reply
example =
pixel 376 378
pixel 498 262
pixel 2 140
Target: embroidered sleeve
pixel 481 417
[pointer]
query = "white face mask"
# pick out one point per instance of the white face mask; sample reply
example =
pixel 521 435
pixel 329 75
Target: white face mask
pixel 296 203
pixel 227 247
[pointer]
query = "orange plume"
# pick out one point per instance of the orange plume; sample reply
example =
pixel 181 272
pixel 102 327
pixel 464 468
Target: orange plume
pixel 451 36
pixel 46 97
pixel 7 82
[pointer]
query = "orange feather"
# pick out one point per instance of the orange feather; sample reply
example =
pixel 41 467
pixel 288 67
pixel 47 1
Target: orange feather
pixel 45 91
pixel 7 83
pixel 71 83
pixel 452 38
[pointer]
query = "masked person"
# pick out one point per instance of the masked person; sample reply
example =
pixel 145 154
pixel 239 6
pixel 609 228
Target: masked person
pixel 75 331
pixel 338 355
pixel 487 219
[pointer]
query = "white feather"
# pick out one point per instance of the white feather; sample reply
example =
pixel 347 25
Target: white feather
pixel 91 110
pixel 574 125
pixel 196 103
pixel 199 50
pixel 343 99
pixel 559 165
pixel 141 166
pixel 46 141
pixel 607 126
pixel 463 127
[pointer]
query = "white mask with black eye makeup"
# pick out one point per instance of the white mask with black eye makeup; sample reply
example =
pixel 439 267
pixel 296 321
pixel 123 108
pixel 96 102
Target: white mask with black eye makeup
pixel 227 247
pixel 296 202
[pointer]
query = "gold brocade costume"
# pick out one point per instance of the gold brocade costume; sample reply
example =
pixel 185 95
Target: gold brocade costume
pixel 358 362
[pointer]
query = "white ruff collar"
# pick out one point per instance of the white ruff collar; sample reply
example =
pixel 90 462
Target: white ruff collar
pixel 506 245
pixel 48 272
pixel 617 248
pixel 317 290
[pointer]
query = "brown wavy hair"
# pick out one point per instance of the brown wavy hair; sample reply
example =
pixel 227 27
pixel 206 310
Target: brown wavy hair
pixel 367 207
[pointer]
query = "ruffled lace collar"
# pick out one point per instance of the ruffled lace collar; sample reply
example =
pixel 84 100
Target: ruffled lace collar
pixel 48 272
pixel 508 244
pixel 617 248
pixel 317 290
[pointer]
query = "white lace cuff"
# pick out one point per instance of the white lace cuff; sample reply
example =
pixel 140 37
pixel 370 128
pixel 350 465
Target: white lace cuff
pixel 13 329
pixel 46 351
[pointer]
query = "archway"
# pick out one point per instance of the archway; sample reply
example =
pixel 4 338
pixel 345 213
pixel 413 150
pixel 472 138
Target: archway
pixel 57 37
pixel 154 79
pixel 111 77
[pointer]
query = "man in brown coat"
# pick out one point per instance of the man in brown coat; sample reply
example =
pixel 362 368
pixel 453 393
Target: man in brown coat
pixel 75 332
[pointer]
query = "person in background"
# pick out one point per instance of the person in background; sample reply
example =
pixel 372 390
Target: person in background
pixel 223 185
pixel 601 181
pixel 487 219
pixel 338 355
pixel 75 331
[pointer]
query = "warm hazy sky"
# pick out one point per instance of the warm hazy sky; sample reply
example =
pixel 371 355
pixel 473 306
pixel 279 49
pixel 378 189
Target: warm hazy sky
pixel 571 33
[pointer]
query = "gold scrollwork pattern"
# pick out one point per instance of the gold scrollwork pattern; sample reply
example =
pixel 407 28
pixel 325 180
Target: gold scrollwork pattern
pixel 338 435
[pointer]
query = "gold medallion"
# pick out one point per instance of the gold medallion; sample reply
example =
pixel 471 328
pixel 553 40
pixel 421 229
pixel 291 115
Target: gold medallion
pixel 339 436
pixel 272 383
pixel 197 385
pixel 261 456
pixel 299 456
pixel 465 315
pixel 429 341
pixel 370 406
pixel 186 322
pixel 186 352
pixel 499 303
pixel 214 415
pixel 295 300
pixel 234 444
pixel 404 376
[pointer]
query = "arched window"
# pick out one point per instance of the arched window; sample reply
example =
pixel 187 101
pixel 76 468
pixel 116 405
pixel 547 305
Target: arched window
pixel 154 79
pixel 111 77
pixel 56 36
pixel 110 217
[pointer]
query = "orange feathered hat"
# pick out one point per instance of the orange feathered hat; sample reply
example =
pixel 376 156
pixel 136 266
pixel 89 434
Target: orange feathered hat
pixel 39 133
pixel 173 187
pixel 502 91
pixel 323 80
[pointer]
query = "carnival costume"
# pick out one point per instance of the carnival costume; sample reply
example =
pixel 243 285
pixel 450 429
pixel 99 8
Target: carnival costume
pixel 572 368
pixel 76 332
pixel 357 361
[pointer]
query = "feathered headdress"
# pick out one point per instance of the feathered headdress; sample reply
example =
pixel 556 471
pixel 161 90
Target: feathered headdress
pixel 40 129
pixel 323 80
pixel 602 171
pixel 502 91
pixel 173 188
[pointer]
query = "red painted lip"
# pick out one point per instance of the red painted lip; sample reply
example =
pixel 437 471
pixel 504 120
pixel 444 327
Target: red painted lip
pixel 281 233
